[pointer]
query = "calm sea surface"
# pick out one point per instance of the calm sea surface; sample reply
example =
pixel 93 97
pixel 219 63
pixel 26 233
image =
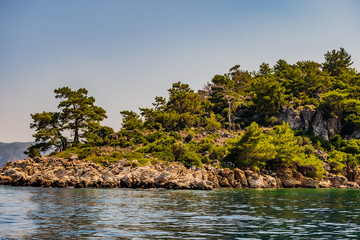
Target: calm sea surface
pixel 42 213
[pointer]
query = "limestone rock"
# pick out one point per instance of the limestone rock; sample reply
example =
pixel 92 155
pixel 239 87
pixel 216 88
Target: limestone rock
pixel 58 172
pixel 241 177
pixel 308 118
pixel 309 183
pixel 255 180
pixel 325 183
pixel 286 177
pixel 355 135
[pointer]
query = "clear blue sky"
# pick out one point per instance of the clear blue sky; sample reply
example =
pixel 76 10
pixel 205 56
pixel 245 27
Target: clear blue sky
pixel 127 52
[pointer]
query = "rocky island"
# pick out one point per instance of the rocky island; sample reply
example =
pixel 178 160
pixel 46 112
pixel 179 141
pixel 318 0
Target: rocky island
pixel 291 125
pixel 58 172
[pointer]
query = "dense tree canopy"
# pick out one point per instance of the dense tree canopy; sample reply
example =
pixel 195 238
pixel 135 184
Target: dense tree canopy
pixel 77 116
pixel 78 110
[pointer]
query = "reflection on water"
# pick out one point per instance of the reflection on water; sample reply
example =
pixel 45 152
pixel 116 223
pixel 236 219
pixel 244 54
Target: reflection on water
pixel 40 213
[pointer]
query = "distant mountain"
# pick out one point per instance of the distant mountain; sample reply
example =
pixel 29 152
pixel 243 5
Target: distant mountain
pixel 12 151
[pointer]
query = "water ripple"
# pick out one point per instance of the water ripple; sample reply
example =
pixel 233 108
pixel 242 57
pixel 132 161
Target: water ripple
pixel 42 213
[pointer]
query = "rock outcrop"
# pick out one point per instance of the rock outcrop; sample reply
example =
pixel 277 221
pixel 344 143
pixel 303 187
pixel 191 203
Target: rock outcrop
pixel 58 172
pixel 307 118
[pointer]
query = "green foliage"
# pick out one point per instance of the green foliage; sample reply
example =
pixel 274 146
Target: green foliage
pixel 275 148
pixel 351 146
pixel 334 102
pixel 337 160
pixel 155 136
pixel 211 123
pixel 179 150
pixel 86 152
pixel 78 114
pixel 337 61
pixel 205 160
pixel 265 70
pixel 191 159
pixel 191 135
pixel 314 163
pixel 253 149
pixel 183 99
pixel 33 151
pixel 270 96
pixel 218 153
pixel 98 135
pixel 78 110
pixel 286 145
pixel 48 131
pixel 131 120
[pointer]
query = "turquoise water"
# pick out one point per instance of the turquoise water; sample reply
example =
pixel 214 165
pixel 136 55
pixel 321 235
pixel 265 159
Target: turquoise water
pixel 43 213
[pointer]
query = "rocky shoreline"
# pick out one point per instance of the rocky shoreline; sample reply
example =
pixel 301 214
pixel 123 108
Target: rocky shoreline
pixel 61 173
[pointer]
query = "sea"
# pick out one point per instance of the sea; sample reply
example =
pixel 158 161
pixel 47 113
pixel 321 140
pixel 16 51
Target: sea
pixel 70 213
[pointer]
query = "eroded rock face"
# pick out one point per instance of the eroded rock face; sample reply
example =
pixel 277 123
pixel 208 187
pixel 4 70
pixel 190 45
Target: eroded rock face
pixel 241 177
pixel 355 135
pixel 58 172
pixel 308 117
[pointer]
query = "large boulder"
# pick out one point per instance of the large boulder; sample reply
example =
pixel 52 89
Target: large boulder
pixel 240 176
pixel 254 179
pixel 287 178
pixel 141 177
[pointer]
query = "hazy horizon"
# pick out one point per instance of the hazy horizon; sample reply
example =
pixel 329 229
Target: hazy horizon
pixel 127 52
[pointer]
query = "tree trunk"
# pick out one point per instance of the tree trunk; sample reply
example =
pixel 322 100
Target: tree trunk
pixel 76 132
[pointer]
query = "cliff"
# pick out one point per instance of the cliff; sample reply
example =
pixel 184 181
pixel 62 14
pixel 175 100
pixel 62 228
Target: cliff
pixel 59 172
pixel 307 118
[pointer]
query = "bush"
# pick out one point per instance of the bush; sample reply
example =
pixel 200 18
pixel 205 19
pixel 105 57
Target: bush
pixel 206 146
pixel 165 155
pixel 191 159
pixel 217 153
pixel 179 150
pixel 312 162
pixel 337 160
pixel 157 126
pixel 86 152
pixel 155 136
pixel 175 135
pixel 191 135
pixel 205 160
pixel 273 120
pixel 211 123
pixel 253 149
pixel 351 146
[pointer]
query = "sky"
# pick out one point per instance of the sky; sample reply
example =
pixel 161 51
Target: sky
pixel 127 52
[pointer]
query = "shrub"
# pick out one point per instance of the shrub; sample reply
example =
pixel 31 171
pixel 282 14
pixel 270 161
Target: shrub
pixel 179 150
pixel 336 160
pixel 211 123
pixel 155 136
pixel 191 159
pixel 165 155
pixel 273 120
pixel 253 149
pixel 191 135
pixel 205 160
pixel 175 135
pixel 217 153
pixel 313 162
